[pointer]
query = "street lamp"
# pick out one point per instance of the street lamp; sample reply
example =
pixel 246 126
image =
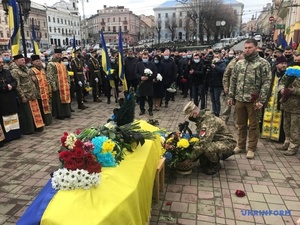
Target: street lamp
pixel 24 8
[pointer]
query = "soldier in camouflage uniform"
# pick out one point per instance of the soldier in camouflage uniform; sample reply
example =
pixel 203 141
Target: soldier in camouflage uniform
pixel 215 140
pixel 249 86
pixel 291 113
pixel 226 83
pixel 77 67
pixel 27 93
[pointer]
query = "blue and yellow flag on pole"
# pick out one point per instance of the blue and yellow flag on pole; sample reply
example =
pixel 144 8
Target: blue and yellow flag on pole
pixel 73 46
pixel 121 62
pixel 14 24
pixel 106 61
pixel 36 49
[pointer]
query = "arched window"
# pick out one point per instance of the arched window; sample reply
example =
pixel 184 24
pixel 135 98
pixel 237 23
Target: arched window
pixel 180 23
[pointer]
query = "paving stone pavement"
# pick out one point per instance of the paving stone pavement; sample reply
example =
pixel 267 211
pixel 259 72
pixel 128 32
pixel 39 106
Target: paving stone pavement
pixel 271 181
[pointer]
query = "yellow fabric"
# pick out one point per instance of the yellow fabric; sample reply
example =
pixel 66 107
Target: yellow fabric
pixel 123 197
pixel 272 117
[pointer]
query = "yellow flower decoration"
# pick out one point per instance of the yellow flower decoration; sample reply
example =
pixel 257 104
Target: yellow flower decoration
pixel 108 146
pixel 183 143
pixel 194 139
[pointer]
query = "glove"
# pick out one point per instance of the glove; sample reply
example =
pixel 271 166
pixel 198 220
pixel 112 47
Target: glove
pixel 96 79
pixel 80 83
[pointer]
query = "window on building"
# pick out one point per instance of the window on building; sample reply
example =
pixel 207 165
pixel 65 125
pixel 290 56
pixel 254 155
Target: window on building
pixel 27 33
pixel 114 20
pixel 57 20
pixel 44 24
pixel 61 21
pixel 7 34
pixel 65 21
pixel 46 35
pixel 166 36
pixel 114 29
pixel 119 19
pixel 166 25
pixel 180 13
pixel 166 15
pixel 39 23
pixel 1 33
pixel 103 29
pixel 108 28
pixel 69 31
pixel 53 19
pixel 158 15
pixel 50 29
pixel 125 28
pixel 49 19
pixel 58 30
pixel 108 19
pixel 103 20
pixel 54 29
pixel 62 31
pixel 174 15
pixel 180 23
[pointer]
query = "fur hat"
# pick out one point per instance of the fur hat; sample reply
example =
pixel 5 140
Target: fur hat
pixel 189 107
pixel 34 57
pixel 280 59
pixel 19 56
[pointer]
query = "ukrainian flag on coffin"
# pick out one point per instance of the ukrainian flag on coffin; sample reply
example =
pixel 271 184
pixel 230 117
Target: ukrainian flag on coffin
pixel 14 25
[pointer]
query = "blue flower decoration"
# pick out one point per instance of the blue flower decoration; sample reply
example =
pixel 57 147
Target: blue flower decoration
pixel 168 156
pixel 293 71
pixel 106 160
pixel 98 142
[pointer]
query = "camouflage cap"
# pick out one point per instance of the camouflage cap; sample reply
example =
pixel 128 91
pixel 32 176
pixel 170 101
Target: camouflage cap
pixel 189 107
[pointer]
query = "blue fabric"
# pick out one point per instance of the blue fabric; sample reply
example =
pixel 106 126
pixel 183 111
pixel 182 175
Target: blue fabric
pixel 35 211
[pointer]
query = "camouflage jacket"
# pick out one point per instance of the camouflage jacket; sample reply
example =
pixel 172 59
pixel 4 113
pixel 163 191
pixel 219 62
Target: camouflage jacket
pixel 292 104
pixel 25 84
pixel 211 129
pixel 52 74
pixel 251 75
pixel 227 74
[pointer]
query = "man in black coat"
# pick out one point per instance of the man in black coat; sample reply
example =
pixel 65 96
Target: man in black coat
pixel 169 76
pixel 95 75
pixel 145 87
pixel 129 66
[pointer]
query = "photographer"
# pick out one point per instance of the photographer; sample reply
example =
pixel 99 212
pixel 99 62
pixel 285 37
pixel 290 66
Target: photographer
pixel 215 76
pixel 197 76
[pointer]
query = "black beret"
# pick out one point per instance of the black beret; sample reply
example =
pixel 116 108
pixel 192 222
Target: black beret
pixel 34 57
pixel 19 56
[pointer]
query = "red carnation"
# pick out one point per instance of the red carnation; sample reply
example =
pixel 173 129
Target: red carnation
pixel 254 97
pixel 64 138
pixel 70 164
pixel 78 131
pixel 65 155
pixel 80 164
pixel 78 143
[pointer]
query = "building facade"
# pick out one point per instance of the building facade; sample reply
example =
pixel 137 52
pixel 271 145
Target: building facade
pixel 4 30
pixel 110 20
pixel 63 23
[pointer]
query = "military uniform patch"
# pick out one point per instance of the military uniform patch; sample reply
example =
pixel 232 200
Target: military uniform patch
pixel 202 132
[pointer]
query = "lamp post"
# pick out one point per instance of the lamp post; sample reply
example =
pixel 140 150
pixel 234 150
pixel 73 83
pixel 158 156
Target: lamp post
pixel 24 8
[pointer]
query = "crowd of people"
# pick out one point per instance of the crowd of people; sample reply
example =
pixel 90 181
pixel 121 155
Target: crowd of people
pixel 36 90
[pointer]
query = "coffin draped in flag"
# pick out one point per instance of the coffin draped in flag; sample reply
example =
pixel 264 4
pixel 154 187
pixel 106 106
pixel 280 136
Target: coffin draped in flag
pixel 14 26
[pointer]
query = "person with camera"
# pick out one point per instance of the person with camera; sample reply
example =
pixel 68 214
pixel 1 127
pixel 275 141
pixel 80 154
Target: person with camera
pixel 215 76
pixel 197 76
pixel 215 143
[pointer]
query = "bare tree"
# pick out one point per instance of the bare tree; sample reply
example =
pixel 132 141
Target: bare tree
pixel 158 30
pixel 172 25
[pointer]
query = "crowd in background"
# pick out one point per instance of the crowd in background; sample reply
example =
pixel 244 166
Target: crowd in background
pixel 35 90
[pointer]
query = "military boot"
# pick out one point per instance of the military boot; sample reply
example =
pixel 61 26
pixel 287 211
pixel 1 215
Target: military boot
pixel 292 150
pixel 285 146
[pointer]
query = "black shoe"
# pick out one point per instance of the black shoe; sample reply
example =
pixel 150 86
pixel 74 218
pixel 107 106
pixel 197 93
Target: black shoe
pixel 72 110
pixel 83 107
pixel 226 156
pixel 150 113
pixel 108 101
pixel 215 167
pixel 142 113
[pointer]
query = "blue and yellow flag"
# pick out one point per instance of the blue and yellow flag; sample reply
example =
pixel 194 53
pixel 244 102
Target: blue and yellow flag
pixel 121 62
pixel 106 61
pixel 14 24
pixel 36 49
pixel 73 46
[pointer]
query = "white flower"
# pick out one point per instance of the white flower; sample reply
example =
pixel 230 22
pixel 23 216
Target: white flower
pixel 63 179
pixel 70 141
pixel 148 72
pixel 159 77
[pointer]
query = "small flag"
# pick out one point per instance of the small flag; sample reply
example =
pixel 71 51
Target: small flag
pixel 36 49
pixel 14 23
pixel 121 62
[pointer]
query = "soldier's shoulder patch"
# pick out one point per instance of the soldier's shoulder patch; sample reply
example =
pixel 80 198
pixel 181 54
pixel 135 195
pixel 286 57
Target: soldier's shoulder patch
pixel 202 132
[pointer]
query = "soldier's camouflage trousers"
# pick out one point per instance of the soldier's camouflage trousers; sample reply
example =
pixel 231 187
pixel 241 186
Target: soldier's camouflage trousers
pixel 291 128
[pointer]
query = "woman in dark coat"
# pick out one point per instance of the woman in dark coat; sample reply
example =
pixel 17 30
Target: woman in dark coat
pixel 158 86
pixel 8 104
pixel 145 87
